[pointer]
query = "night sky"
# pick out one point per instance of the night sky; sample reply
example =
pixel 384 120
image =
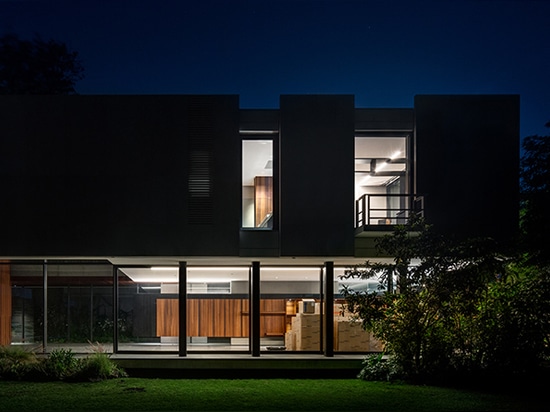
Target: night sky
pixel 384 52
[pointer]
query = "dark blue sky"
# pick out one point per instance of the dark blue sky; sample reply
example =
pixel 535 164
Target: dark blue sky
pixel 384 51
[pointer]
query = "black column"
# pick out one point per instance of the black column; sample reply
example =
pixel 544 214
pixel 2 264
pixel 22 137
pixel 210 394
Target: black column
pixel 45 305
pixel 115 309
pixel 328 318
pixel 182 308
pixel 254 315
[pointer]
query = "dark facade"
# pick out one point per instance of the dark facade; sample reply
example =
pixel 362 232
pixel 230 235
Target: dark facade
pixel 98 189
pixel 467 163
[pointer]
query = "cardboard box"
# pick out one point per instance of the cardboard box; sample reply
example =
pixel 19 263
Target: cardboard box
pixel 350 336
pixel 306 306
pixel 307 331
pixel 290 341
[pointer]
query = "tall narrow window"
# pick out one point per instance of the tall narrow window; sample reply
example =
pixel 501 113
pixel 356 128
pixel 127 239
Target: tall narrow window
pixel 257 184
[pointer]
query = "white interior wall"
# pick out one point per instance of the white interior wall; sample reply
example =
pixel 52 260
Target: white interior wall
pixel 248 206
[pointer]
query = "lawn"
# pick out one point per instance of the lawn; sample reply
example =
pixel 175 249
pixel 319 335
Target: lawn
pixel 136 394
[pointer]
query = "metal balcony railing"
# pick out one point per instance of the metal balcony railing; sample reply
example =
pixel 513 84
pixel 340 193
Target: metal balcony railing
pixel 387 209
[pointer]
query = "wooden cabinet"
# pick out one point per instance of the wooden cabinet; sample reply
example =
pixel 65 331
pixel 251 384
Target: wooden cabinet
pixel 205 317
pixel 272 317
pixel 221 317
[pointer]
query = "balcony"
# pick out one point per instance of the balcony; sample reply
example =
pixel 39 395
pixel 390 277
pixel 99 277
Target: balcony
pixel 375 213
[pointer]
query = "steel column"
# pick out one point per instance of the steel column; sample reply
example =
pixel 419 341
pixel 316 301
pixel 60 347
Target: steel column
pixel 45 306
pixel 115 309
pixel 182 308
pixel 254 312
pixel 328 318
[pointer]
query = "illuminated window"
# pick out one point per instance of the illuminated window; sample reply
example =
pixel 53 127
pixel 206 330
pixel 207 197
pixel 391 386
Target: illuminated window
pixel 257 184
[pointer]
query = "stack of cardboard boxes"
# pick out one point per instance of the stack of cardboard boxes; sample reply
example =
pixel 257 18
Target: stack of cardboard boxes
pixel 305 334
pixel 349 336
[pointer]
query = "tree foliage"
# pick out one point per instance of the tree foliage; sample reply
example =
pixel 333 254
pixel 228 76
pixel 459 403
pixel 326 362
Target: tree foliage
pixel 37 66
pixel 450 308
pixel 535 196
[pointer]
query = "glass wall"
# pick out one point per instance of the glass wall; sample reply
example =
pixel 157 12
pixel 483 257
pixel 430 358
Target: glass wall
pixel 139 288
pixel 257 184
pixel 80 308
pixel 217 309
pixel 80 305
pixel 290 309
pixel 27 305
pixel 349 335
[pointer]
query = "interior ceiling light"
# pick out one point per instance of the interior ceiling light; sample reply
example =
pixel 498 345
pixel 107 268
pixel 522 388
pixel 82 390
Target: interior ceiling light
pixel 258 131
pixel 288 268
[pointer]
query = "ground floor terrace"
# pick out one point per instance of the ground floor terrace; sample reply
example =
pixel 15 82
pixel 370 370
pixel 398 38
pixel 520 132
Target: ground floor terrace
pixel 236 310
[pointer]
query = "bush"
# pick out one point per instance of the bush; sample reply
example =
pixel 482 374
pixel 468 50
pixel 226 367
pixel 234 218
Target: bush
pixel 62 364
pixel 16 362
pixel 378 368
pixel 99 366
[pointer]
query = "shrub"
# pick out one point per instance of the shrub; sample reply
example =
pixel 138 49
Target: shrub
pixel 62 364
pixel 16 362
pixel 99 366
pixel 378 368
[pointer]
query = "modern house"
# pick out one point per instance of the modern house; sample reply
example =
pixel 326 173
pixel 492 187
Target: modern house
pixel 187 224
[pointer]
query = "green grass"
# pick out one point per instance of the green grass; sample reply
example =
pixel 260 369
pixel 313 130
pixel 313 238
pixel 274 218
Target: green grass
pixel 136 394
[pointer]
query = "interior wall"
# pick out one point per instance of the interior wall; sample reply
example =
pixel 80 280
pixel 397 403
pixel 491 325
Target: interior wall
pixel 248 206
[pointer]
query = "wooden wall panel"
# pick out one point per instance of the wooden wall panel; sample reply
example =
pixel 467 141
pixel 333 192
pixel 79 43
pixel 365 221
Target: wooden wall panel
pixel 192 317
pixel 218 318
pixel 167 317
pixel 206 314
pixel 273 312
pixel 263 198
pixel 205 317
pixel 245 318
pixel 5 305
pixel 232 315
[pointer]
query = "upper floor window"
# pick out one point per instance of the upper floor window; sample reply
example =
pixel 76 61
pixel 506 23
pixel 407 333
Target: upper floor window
pixel 257 183
pixel 381 179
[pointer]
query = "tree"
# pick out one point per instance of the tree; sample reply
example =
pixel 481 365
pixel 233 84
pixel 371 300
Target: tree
pixel 535 197
pixel 37 66
pixel 457 307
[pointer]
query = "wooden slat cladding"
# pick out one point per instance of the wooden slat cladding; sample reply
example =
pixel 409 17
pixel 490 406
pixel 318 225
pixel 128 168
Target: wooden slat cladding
pixel 5 305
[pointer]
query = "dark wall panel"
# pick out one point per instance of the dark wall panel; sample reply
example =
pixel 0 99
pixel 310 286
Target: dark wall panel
pixel 467 154
pixel 109 175
pixel 316 169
